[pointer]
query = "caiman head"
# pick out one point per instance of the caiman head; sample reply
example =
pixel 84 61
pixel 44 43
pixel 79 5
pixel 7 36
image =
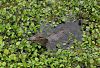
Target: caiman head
pixel 39 38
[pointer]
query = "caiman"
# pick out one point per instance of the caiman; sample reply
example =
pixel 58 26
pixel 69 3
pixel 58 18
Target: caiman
pixel 62 35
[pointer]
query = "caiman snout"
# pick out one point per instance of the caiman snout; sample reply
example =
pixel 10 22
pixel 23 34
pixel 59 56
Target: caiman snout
pixel 31 38
pixel 38 39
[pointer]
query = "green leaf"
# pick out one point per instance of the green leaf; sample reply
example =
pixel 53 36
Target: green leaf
pixel 36 59
pixel 17 43
pixel 93 9
pixel 1 40
pixel 78 66
pixel 6 51
pixel 79 59
pixel 91 61
pixel 0 63
pixel 77 9
pixel 4 63
pixel 13 57
pixel 98 60
pixel 98 41
pixel 64 18
pixel 61 65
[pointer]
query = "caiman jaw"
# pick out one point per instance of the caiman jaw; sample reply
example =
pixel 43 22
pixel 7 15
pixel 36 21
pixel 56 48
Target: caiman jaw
pixel 39 39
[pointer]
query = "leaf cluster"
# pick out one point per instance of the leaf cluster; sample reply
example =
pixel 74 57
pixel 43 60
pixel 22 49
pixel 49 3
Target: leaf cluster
pixel 20 19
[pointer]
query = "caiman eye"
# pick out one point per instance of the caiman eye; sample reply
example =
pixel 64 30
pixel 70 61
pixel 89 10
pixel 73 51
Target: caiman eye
pixel 40 37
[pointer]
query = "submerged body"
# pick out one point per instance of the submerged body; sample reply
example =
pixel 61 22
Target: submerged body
pixel 63 35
